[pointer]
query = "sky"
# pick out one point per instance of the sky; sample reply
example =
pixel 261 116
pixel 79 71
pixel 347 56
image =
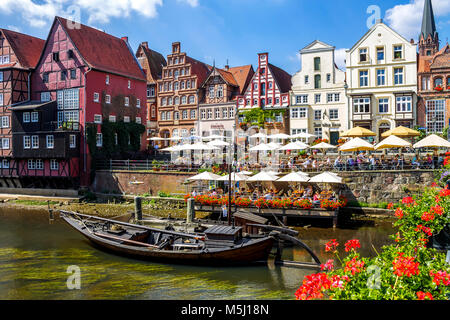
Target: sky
pixel 230 30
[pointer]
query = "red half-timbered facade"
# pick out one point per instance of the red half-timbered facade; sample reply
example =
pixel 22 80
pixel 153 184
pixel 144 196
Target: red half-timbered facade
pixel 268 90
pixel 19 54
pixel 91 77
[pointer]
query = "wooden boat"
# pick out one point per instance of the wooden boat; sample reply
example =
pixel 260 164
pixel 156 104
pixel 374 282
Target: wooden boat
pixel 218 245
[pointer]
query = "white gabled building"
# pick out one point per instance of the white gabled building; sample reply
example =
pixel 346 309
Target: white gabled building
pixel 318 95
pixel 382 80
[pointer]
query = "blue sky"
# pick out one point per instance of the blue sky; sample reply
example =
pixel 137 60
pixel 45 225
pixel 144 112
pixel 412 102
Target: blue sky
pixel 229 29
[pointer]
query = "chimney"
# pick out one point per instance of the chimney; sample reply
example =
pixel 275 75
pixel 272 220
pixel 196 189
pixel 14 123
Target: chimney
pixel 412 41
pixel 125 39
pixel 227 67
pixel 145 44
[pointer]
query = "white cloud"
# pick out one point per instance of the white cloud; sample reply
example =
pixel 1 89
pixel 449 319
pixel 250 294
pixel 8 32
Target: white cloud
pixel 406 19
pixel 339 58
pixel 40 15
pixel 13 28
pixel 192 3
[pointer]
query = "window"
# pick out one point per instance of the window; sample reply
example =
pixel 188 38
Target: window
pixel 126 119
pixel 129 84
pixel 318 133
pixel 96 97
pixel 381 77
pixel 184 115
pixel 302 112
pixel 127 101
pixel 263 102
pixel 26 117
pixel 183 85
pixel 317 64
pixel 26 142
pixel 45 96
pixel 306 79
pixel 328 77
pixel 193 114
pixel 220 92
pixel 1 99
pixel 39 164
pixel 138 103
pixel 99 140
pixel 34 142
pixel 112 118
pixel 169 101
pixel 63 75
pixel 176 86
pixel 1 76
pixel 203 114
pixel 5 164
pixel 303 99
pixel 31 164
pixel 263 89
pixel 279 117
pixel 5 143
pixel 191 99
pixel 317 115
pixel 56 56
pixel 255 87
pixel 217 113
pixel 177 101
pixel 176 115
pixel 438 82
pixel 98 118
pixel 294 113
pixel 5 59
pixel 317 98
pixel 363 78
pixel 231 112
pixel 183 100
pixel 334 114
pixel 380 54
pixel 398 76
pixel 398 52
pixel 107 79
pixel 153 112
pixel 317 81
pixel 163 116
pixel 4 122
pixel 363 56
pixel 50 142
pixel 45 77
pixel 34 117
pixel 70 54
pixel 108 99
pixel 73 74
pixel 435 116
pixel 361 105
pixel 383 105
pixel 426 83
pixel 404 103
pixel 54 165
pixel 138 120
pixel 333 97
pixel 225 113
pixel 209 114
pixel 68 99
pixel 270 85
pixel 169 116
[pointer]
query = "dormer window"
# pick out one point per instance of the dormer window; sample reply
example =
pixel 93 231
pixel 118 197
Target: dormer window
pixel 363 56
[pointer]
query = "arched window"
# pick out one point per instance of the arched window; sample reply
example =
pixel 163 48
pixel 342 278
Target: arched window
pixel 176 86
pixel 176 61
pixel 163 116
pixel 448 81
pixel 176 74
pixel 176 115
pixel 170 86
pixel 169 115
pixel 184 133
pixel 166 86
pixel 192 132
pixel 438 82
pixel 185 114
pixel 183 100
pixel 183 85
pixel 177 101
pixel 175 133
pixel 169 102
pixel 220 92
pixel 191 99
pixel 193 114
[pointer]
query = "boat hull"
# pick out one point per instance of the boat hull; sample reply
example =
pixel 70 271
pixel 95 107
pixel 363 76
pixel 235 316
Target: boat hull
pixel 248 253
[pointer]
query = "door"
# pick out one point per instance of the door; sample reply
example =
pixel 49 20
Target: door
pixel 334 137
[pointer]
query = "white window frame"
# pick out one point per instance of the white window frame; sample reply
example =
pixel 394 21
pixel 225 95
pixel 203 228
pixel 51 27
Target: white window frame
pixel 107 81
pixel 1 76
pixel 54 165
pixel 45 96
pixel 99 140
pixel 34 117
pixel 98 118
pixel 403 104
pixel 2 101
pixel 5 164
pixel 138 103
pixel 108 99
pixel 50 140
pixel 96 97
pixel 399 76
pixel 26 117
pixel 5 143
pixel 126 119
pixel 31 164
pixel 127 101
pixel 138 120
pixel 26 142
pixel 34 142
pixel 334 114
pixel 72 141
pixel 39 164
pixel 112 118
pixel 361 103
pixel 316 112
pixel 5 122
pixel 385 102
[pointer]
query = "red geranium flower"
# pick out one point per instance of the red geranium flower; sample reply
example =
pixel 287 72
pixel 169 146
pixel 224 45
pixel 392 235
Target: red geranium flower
pixel 390 206
pixel 423 296
pixel 329 265
pixel 440 276
pixel 444 193
pixel 399 213
pixel 437 210
pixel 408 200
pixel 331 245
pixel 428 216
pixel 354 266
pixel 434 185
pixel 405 266
pixel 352 245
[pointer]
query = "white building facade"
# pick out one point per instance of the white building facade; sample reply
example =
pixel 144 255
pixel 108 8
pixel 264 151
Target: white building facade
pixel 319 104
pixel 382 80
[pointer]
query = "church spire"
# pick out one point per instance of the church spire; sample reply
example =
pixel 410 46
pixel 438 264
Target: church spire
pixel 429 38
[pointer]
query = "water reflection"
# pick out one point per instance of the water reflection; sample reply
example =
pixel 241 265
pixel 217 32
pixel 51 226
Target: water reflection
pixel 35 254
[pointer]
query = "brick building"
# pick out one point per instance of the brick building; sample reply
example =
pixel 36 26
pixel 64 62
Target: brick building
pixel 19 54
pixel 433 77
pixel 152 62
pixel 91 78
pixel 179 94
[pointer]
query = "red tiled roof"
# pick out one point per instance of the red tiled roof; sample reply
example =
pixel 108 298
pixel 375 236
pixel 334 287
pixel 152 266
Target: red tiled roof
pixel 103 51
pixel 199 68
pixel 27 49
pixel 228 77
pixel 243 75
pixel 282 78
pixel 156 62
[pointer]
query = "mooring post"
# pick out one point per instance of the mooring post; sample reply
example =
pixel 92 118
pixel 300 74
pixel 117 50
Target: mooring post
pixel 138 208
pixel 190 213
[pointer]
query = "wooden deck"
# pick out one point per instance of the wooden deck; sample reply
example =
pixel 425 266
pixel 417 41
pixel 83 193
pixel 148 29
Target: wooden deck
pixel 316 213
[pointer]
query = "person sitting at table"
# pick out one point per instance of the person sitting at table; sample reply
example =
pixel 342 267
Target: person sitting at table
pixel 316 198
pixel 338 163
pixel 350 162
pixel 372 162
pixel 415 162
pixel 308 192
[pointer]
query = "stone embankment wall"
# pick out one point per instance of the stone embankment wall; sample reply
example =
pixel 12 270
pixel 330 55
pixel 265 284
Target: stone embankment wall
pixel 362 186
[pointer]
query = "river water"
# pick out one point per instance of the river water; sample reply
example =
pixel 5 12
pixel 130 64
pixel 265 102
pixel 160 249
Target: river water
pixel 35 255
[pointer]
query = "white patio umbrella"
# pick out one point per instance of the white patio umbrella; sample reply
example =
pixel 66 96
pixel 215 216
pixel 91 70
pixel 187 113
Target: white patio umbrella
pixel 294 177
pixel 356 144
pixel 218 143
pixel 274 145
pixel 205 176
pixel 198 147
pixel 294 146
pixel 213 137
pixel 272 173
pixel 246 173
pixel 432 141
pixel 392 142
pixel 323 145
pixel 258 136
pixel 235 177
pixel 262 176
pixel 326 177
pixel 175 138
pixel 262 147
pixel 173 149
pixel 303 135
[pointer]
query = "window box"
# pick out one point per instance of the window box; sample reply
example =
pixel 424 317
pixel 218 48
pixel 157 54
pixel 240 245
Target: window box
pixel 439 89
